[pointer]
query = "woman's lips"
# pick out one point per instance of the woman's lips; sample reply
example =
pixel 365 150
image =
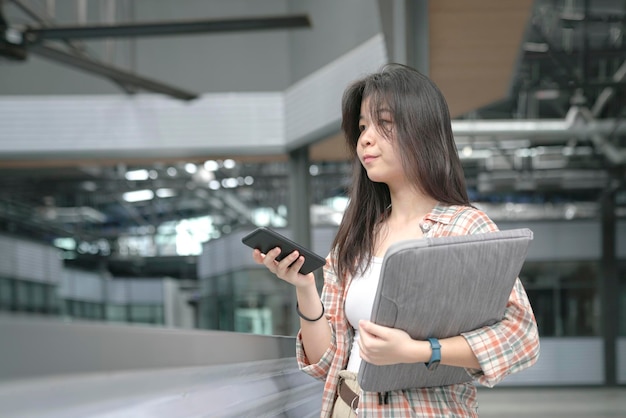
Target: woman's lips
pixel 369 158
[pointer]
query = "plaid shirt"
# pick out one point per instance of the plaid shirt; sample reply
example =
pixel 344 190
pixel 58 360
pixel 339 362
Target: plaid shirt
pixel 504 348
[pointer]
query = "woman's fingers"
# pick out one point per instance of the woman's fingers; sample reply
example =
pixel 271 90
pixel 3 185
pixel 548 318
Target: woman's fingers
pixel 286 269
pixel 258 256
pixel 283 265
pixel 269 259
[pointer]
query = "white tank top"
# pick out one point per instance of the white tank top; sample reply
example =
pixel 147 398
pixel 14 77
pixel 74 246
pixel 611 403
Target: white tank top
pixel 359 304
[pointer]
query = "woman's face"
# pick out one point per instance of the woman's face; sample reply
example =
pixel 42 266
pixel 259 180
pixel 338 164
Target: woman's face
pixel 376 146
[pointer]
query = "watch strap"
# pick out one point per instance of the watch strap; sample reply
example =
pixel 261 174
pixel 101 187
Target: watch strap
pixel 435 357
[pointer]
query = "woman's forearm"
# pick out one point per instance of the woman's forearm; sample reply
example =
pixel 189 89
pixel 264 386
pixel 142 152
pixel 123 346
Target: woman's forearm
pixel 455 351
pixel 316 335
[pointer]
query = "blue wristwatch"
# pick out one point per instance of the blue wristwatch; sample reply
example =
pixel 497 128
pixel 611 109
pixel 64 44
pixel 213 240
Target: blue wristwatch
pixel 435 357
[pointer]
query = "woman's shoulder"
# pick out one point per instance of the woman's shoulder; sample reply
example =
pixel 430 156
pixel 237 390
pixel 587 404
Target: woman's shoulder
pixel 464 219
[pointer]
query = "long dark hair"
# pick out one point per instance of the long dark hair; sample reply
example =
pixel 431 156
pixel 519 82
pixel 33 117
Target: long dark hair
pixel 424 140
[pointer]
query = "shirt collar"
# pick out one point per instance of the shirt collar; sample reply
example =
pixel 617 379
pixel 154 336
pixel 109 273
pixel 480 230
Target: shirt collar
pixel 442 213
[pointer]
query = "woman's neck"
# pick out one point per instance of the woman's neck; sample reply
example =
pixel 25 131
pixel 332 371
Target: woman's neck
pixel 408 206
pixel 407 211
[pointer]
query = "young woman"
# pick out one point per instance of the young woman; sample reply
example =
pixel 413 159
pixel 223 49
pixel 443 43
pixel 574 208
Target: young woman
pixel 407 183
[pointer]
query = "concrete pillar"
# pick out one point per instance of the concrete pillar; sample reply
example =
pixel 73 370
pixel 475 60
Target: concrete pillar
pixel 609 286
pixel 299 213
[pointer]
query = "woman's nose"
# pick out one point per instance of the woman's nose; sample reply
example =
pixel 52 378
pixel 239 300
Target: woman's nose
pixel 366 137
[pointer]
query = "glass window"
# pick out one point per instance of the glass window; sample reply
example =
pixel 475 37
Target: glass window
pixel 79 309
pixel 208 317
pixel 225 302
pixel 92 310
pixel 225 314
pixel 564 296
pixel 22 293
pixel 38 297
pixel 84 310
pixel 6 293
pixel 116 313
pixel 255 321
pixel 69 308
pixel 159 314
pixel 145 314
pixel 53 301
pixel 249 300
pixel 621 318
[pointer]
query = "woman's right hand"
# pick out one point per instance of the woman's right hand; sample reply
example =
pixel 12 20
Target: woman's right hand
pixel 316 335
pixel 286 269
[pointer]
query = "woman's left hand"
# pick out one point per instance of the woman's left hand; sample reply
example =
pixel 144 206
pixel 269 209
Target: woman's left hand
pixel 382 346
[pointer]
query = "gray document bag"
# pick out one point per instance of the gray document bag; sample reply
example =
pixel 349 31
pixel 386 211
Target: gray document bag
pixel 441 287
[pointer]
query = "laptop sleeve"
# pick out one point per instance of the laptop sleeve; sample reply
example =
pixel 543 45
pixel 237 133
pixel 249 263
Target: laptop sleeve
pixel 441 287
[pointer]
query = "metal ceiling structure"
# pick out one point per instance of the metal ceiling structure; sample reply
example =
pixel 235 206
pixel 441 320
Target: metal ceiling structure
pixel 552 147
pixel 568 92
pixel 17 42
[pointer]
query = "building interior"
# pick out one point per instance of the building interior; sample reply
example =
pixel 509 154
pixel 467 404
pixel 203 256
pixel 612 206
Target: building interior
pixel 139 140
pixel 568 66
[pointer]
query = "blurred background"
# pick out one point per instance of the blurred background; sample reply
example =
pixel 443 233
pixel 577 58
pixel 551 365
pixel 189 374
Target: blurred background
pixel 140 140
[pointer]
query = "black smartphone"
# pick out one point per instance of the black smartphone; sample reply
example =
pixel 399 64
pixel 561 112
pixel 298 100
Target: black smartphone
pixel 265 239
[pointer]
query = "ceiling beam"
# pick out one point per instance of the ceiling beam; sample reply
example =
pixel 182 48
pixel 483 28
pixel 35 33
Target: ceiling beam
pixel 77 47
pixel 183 27
pixel 99 68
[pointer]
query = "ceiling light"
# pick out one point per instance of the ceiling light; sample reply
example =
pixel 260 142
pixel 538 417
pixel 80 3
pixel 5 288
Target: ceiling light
pixel 229 164
pixel 13 36
pixel 229 183
pixel 203 175
pixel 211 165
pixel 65 243
pixel 138 195
pixel 547 94
pixel 163 193
pixel 137 175
pixel 536 47
pixel 89 186
pixel 191 168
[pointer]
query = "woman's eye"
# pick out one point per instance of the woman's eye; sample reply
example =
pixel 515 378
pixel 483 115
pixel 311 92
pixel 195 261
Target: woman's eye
pixel 361 128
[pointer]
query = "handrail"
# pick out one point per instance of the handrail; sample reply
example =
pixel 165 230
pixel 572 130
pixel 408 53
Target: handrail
pixel 36 347
pixel 75 369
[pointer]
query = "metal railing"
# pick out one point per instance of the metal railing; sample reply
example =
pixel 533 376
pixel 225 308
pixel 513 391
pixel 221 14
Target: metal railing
pixel 76 369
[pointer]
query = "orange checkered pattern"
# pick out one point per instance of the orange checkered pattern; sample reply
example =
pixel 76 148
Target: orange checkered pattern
pixel 502 349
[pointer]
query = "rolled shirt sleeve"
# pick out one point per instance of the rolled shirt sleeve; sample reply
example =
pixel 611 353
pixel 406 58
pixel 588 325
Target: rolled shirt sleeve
pixel 320 369
pixel 508 346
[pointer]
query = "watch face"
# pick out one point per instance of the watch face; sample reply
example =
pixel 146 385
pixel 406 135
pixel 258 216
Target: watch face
pixel 433 366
